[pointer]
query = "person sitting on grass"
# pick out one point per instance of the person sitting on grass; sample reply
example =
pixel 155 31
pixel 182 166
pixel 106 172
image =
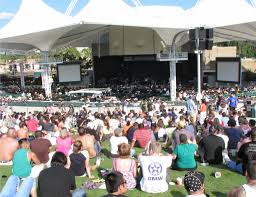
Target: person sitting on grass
pixel 125 165
pixel 80 161
pixel 58 180
pixel 194 184
pixel 21 169
pixel 154 169
pixel 211 147
pixel 115 184
pixel 64 142
pixel 141 137
pixel 115 140
pixel 248 189
pixel 184 153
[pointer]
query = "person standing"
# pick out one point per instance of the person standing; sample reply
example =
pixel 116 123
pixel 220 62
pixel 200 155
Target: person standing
pixel 232 101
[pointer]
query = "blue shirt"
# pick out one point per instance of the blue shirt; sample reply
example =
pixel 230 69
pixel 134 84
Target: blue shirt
pixel 232 101
pixel 234 136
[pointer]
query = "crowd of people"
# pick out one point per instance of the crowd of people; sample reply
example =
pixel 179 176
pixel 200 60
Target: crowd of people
pixel 47 150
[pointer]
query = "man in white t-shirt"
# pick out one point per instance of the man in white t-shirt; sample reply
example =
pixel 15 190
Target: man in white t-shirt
pixel 154 169
pixel 116 140
pixel 249 189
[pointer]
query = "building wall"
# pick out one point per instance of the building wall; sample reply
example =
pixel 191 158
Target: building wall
pixel 133 41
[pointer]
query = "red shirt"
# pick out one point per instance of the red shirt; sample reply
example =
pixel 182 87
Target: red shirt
pixel 142 136
pixel 32 125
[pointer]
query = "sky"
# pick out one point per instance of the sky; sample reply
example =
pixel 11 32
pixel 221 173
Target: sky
pixel 8 8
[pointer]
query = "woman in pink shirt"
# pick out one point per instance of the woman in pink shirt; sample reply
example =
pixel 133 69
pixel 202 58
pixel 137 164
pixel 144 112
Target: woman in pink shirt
pixel 125 165
pixel 64 142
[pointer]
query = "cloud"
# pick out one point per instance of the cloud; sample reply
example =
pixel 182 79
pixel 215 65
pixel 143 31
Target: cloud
pixel 6 15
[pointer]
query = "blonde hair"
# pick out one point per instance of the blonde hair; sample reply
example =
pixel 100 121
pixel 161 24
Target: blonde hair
pixel 155 147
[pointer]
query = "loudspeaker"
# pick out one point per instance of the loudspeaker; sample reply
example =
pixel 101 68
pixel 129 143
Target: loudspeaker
pixel 192 34
pixel 209 34
pixel 202 33
pixel 208 44
pixel 203 44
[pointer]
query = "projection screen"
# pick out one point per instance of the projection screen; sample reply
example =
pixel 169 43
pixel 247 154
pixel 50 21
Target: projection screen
pixel 69 73
pixel 228 70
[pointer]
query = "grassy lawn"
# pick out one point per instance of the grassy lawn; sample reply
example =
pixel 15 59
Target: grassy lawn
pixel 214 187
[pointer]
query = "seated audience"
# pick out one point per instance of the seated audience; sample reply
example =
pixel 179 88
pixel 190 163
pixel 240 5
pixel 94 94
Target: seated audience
pixel 115 140
pixel 41 147
pixel 64 142
pixel 211 147
pixel 21 169
pixel 184 153
pixel 88 141
pixel 57 180
pixel 248 189
pixel 141 137
pixel 194 184
pixel 79 161
pixel 246 153
pixel 233 134
pixel 116 185
pixel 125 165
pixel 154 169
pixel 8 145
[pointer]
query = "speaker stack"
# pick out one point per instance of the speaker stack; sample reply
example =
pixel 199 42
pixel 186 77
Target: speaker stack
pixel 205 38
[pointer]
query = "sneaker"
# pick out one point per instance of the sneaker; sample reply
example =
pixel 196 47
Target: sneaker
pixel 226 158
pixel 204 164
pixel 98 161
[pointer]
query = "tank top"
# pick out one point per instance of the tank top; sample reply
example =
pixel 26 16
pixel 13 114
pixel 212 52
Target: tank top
pixel 21 165
pixel 77 164
pixel 249 191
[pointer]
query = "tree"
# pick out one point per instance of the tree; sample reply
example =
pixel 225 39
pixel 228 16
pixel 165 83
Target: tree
pixel 244 48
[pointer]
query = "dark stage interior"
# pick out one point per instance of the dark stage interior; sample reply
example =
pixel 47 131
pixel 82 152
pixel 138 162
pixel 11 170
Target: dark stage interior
pixel 108 68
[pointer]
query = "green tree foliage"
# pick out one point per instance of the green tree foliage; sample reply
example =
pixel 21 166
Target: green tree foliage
pixel 72 54
pixel 68 54
pixel 244 48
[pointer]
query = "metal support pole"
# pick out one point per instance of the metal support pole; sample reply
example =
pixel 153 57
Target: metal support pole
pixel 199 72
pixel 22 78
pixel 173 80
pixel 47 85
pixel 173 83
pixel 198 62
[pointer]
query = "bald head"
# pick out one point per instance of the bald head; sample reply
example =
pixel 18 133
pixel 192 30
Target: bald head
pixel 12 133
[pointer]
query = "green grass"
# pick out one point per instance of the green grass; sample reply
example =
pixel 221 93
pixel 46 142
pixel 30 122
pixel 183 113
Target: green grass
pixel 214 187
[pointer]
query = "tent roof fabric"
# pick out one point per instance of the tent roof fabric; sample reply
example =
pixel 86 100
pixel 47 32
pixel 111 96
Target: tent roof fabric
pixel 35 16
pixel 40 26
pixel 216 13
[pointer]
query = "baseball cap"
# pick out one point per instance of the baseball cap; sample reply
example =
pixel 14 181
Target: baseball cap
pixel 193 181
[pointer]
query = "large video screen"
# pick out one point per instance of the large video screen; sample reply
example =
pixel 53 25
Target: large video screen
pixel 69 73
pixel 228 70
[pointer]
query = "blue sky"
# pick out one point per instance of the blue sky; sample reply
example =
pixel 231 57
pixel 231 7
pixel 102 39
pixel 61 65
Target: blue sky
pixel 9 7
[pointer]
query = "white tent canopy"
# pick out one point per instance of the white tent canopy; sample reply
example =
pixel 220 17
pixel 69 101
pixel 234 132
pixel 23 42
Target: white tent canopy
pixel 231 19
pixel 109 12
pixel 36 24
pixel 33 25
pixel 217 13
